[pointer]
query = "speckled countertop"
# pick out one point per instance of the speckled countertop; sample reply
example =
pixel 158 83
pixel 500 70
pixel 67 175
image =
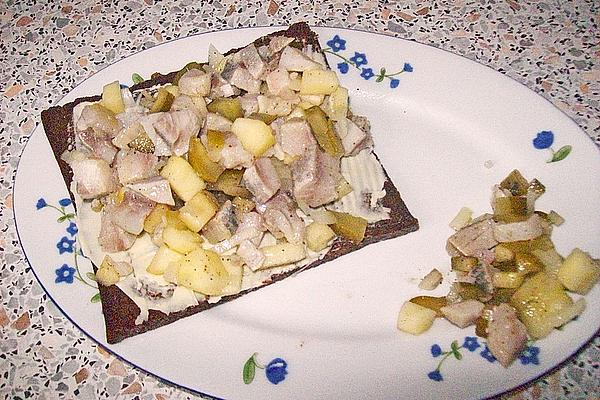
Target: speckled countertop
pixel 47 48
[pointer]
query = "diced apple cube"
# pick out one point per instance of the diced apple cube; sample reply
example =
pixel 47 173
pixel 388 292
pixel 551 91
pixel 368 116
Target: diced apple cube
pixel 203 271
pixel 318 236
pixel 579 272
pixel 255 136
pixel 181 176
pixel 198 210
pixel 111 97
pixel 318 81
pixel 161 260
pixel 181 240
pixel 415 319
pixel 282 254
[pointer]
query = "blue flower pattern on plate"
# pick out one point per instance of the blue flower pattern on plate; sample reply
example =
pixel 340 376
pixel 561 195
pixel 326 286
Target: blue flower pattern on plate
pixel 530 355
pixel 65 245
pixel 65 273
pixel 471 343
pixel 72 229
pixel 275 370
pixel 367 73
pixel 343 67
pixel 358 60
pixel 487 354
pixel 544 140
pixel 337 43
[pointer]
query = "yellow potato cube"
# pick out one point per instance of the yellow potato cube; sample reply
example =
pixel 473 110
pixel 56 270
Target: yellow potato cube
pixel 181 240
pixel 172 219
pixel 579 272
pixel 155 217
pixel 318 236
pixel 182 177
pixel 107 275
pixel 255 136
pixel 161 260
pixel 414 318
pixel 203 271
pixel 318 81
pixel 235 270
pixel 198 211
pixel 111 97
pixel 337 104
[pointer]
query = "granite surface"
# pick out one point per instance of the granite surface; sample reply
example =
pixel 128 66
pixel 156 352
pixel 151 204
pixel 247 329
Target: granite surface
pixel 47 48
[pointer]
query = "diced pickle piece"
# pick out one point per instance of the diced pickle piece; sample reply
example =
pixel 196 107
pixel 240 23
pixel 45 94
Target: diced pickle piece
pixel 325 134
pixel 349 226
pixel 200 161
pixel 182 71
pixel 542 304
pixel 163 102
pixel 527 263
pixel 242 206
pixel 501 295
pixel 433 303
pixel 535 189
pixel 463 263
pixel 469 291
pixel 229 183
pixel 142 143
pixel 507 279
pixel 510 209
pixel 503 254
pixel 215 140
pixel 266 118
pixel 579 272
pixel 515 183
pixel 230 108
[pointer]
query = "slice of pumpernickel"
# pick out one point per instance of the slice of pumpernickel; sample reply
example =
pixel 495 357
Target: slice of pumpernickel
pixel 120 312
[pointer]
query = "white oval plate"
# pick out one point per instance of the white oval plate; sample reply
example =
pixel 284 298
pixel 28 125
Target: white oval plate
pixel 449 131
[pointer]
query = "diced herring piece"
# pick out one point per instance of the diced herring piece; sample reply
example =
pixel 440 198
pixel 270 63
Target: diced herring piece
pixel 464 313
pixel 262 180
pixel 507 336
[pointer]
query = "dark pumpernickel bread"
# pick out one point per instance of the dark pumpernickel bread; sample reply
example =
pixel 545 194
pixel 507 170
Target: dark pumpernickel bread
pixel 119 310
